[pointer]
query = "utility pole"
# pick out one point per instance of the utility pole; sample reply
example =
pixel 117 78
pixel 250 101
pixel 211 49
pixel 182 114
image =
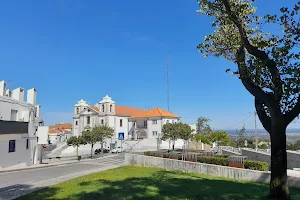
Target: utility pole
pixel 168 97
pixel 256 138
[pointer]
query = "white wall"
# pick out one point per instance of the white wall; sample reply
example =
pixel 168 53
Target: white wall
pixel 154 127
pixel 124 127
pixel 21 157
pixel 7 104
pixel 42 133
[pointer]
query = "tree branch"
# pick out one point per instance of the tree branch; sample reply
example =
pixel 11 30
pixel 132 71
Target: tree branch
pixel 291 115
pixel 263 117
pixel 247 82
pixel 262 55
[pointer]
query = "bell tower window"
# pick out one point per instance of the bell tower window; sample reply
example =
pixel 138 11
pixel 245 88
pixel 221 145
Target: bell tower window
pixel 102 108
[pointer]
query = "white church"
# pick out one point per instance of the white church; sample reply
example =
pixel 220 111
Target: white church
pixel 135 123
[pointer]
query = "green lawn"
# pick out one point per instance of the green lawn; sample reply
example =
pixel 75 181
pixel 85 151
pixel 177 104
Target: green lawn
pixel 153 183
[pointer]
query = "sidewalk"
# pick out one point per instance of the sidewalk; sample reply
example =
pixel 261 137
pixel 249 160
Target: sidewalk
pixel 52 163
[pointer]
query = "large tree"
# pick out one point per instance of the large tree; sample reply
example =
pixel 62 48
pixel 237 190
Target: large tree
pixel 91 138
pixel 220 137
pixel 184 132
pixel 102 133
pixel 170 134
pixel 202 125
pixel 76 141
pixel 267 65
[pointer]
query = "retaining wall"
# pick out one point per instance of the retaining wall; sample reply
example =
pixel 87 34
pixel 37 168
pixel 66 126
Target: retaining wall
pixel 202 168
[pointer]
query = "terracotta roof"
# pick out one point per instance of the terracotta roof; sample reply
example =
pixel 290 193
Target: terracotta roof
pixel 94 108
pixel 64 126
pixel 127 111
pixel 55 131
pixel 155 112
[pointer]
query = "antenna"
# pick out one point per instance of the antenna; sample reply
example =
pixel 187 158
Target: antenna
pixel 168 95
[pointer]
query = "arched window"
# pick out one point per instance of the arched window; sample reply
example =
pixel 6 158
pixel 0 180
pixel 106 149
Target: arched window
pixel 110 108
pixel 102 121
pixel 102 108
pixel 77 110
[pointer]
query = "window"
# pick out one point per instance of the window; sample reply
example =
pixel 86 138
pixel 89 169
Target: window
pixel 110 108
pixel 12 146
pixel 102 108
pixel 89 110
pixel 13 115
pixel 88 120
pixel 154 121
pixel 121 122
pixel 145 123
pixel 77 111
pixel 76 123
pixel 167 121
pixel 27 144
pixel 154 133
pixel 102 121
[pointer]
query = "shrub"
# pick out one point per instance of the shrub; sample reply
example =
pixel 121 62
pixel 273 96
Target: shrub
pixel 222 156
pixel 213 160
pixel 197 151
pixel 149 153
pixel 166 155
pixel 256 165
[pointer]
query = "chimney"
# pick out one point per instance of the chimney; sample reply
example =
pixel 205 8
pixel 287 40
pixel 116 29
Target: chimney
pixel 2 88
pixel 18 94
pixel 37 110
pixel 8 93
pixel 31 96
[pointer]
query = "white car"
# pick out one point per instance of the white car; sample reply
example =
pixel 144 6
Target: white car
pixel 117 150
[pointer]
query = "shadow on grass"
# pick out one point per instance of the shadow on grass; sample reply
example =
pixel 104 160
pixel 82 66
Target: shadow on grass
pixel 163 185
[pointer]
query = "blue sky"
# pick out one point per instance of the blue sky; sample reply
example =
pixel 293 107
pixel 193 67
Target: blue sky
pixel 72 49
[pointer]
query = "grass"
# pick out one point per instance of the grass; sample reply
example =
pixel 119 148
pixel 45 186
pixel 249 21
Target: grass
pixel 133 183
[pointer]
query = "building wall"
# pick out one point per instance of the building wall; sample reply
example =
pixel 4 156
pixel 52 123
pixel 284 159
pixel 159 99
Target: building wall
pixel 8 104
pixel 124 127
pixel 26 112
pixel 21 157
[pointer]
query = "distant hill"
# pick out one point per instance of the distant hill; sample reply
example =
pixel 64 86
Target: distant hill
pixel 261 131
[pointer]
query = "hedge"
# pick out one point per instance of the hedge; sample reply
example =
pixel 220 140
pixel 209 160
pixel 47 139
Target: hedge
pixel 222 156
pixel 256 165
pixel 219 160
pixel 213 160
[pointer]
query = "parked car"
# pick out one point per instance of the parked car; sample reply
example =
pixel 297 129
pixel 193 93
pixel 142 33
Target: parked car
pixel 117 150
pixel 98 151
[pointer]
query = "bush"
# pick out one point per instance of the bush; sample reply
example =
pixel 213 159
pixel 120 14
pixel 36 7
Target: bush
pixel 213 160
pixel 256 165
pixel 222 156
pixel 149 153
pixel 197 151
pixel 166 155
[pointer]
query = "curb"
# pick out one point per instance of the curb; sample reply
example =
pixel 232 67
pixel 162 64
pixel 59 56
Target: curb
pixel 51 165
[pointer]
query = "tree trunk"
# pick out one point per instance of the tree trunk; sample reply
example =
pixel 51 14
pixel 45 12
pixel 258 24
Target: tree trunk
pixel 92 146
pixel 169 144
pixel 101 149
pixel 173 147
pixel 278 184
pixel 77 151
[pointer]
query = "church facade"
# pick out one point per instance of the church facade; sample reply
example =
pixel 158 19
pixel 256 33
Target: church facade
pixel 135 123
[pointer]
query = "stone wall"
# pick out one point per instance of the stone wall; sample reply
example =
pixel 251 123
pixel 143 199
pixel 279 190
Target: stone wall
pixel 202 168
pixel 199 146
pixel 293 157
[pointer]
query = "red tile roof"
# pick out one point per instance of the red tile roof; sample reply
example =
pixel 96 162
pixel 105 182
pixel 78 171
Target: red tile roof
pixel 155 112
pixel 127 111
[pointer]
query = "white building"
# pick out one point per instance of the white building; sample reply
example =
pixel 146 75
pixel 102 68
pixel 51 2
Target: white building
pixel 135 123
pixel 19 121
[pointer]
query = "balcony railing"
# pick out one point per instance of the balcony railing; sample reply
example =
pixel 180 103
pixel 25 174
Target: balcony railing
pixel 13 127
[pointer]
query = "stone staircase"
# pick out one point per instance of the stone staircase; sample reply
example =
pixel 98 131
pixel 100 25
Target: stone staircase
pixel 57 151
